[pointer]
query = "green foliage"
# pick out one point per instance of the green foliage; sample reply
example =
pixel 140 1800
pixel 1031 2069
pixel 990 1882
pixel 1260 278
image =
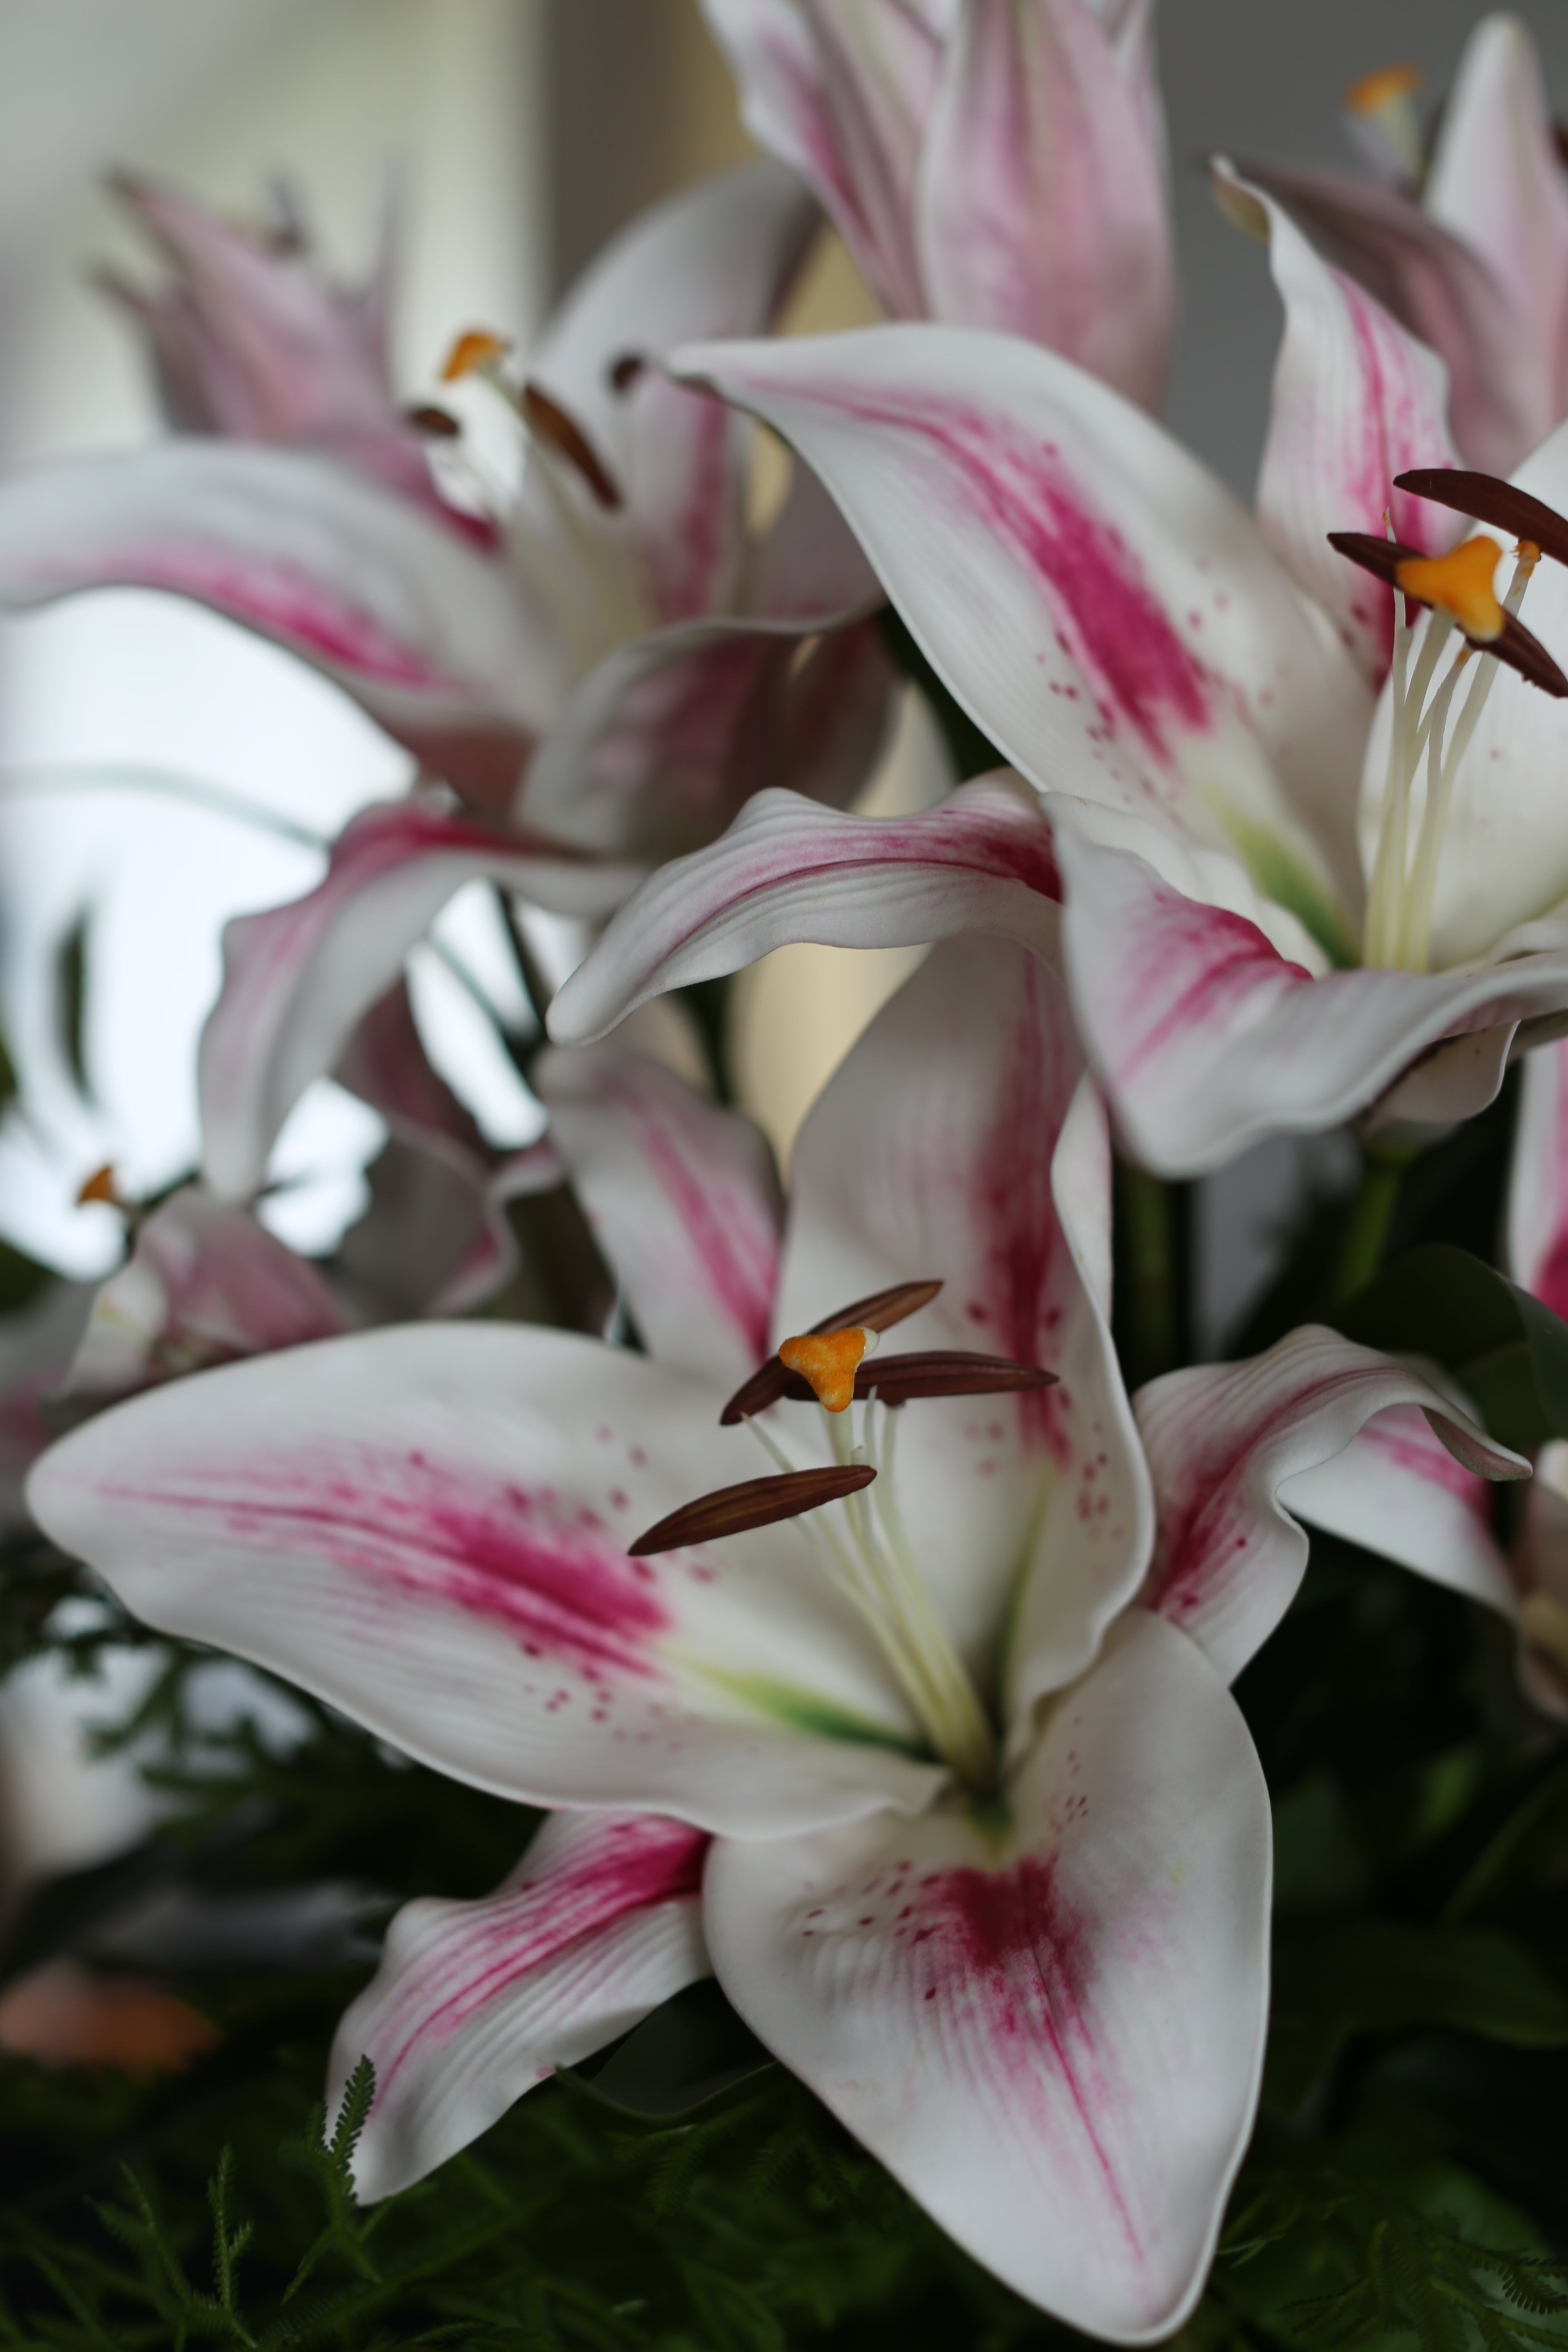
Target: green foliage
pixel 1508 1352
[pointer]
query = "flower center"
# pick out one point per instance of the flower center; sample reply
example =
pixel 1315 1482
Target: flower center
pixel 849 1515
pixel 1470 633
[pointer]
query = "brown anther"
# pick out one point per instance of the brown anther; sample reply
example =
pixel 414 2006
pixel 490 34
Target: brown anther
pixel 1486 499
pixel 478 349
pixel 627 369
pixel 755 1502
pixel 549 423
pixel 99 1186
pixel 947 1371
pixel 878 1312
pixel 1385 558
pixel 425 417
pixel 828 1361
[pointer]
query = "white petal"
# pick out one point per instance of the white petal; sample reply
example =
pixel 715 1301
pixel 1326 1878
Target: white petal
pixel 1103 608
pixel 427 1526
pixel 981 860
pixel 684 1198
pixel 1228 1443
pixel 298 978
pixel 476 2003
pixel 1028 1513
pixel 1049 2028
pixel 1538 1180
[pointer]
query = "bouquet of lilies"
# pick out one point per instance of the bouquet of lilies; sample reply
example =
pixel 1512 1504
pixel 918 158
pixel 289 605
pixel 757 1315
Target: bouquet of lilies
pixel 857 1580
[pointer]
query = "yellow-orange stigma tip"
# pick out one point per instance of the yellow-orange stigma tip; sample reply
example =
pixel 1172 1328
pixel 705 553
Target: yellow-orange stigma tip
pixel 828 1361
pixel 1459 584
pixel 99 1186
pixel 476 349
pixel 1374 89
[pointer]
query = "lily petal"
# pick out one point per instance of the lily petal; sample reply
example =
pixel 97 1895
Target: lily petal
pixel 428 1526
pixel 1538 1182
pixel 476 2003
pixel 1208 1039
pixel 1396 1489
pixel 432 637
pixel 1231 1445
pixel 1033 1507
pixel 1497 184
pixel 1104 609
pixel 716 259
pixel 1043 205
pixel 1049 2028
pixel 203 1284
pixel 684 1198
pixel 298 978
pixel 1355 395
pixel 983 860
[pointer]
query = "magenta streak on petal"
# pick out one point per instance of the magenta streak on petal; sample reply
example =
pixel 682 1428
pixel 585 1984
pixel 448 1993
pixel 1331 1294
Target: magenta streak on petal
pixel 632 1865
pixel 459 1537
pixel 1001 1958
pixel 685 558
pixel 1389 443
pixel 280 600
pixel 738 1263
pixel 1111 622
pixel 1236 963
pixel 1407 1439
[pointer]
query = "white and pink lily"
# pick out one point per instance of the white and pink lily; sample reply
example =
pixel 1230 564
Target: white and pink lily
pixel 250 340
pixel 990 162
pixel 951 1796
pixel 1238 825
pixel 1469 248
pixel 618 663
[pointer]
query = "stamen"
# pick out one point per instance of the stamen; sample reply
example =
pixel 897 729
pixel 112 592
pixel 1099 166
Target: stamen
pixel 754 1502
pixel 1487 499
pixel 549 423
pixel 100 1186
pixel 828 1362
pixel 878 1312
pixel 1381 116
pixel 1389 561
pixel 1459 583
pixel 1372 92
pixel 477 352
pixel 946 1372
pixel 438 423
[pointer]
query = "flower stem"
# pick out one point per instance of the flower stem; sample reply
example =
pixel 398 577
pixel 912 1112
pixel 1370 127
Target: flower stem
pixel 1149 1230
pixel 1369 1217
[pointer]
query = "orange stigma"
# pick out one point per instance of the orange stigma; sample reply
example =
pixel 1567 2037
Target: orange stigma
pixel 828 1362
pixel 1459 584
pixel 1374 90
pixel 475 350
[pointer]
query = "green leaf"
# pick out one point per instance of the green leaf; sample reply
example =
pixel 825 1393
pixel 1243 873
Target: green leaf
pixel 692 2047
pixel 1508 1352
pixel 1383 1976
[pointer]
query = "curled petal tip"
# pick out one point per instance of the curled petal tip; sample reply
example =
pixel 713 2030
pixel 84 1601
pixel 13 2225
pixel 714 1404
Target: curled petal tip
pixel 754 1502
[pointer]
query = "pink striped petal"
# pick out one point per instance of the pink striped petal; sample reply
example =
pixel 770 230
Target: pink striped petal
pixel 1231 1448
pixel 1497 184
pixel 1206 1039
pixel 476 2003
pixel 1033 1509
pixel 716 259
pixel 299 978
pixel 1043 204
pixel 981 860
pixel 203 1284
pixel 1396 1489
pixel 1357 399
pixel 684 1199
pixel 1099 605
pixel 1538 1182
pixel 1048 2023
pixel 669 735
pixel 427 1526
pixel 1539 1567
pixel 432 637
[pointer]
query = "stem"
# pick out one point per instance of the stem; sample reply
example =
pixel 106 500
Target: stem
pixel 708 1001
pixel 1370 1215
pixel 1149 1288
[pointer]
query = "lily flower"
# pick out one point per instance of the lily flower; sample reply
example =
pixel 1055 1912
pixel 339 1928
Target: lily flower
pixel 618 661
pixel 1468 248
pixel 990 162
pixel 1537 1254
pixel 250 340
pixel 921 1742
pixel 1278 896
